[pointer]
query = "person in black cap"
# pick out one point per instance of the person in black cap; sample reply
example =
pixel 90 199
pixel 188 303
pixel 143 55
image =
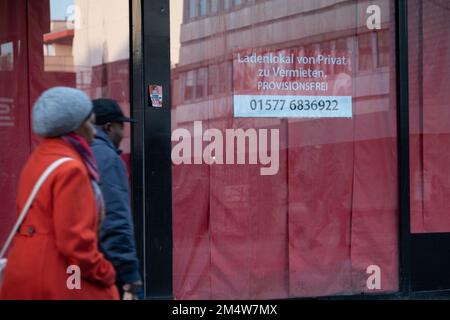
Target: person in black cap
pixel 116 234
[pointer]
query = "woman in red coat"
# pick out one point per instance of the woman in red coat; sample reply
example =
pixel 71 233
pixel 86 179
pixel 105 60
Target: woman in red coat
pixel 61 227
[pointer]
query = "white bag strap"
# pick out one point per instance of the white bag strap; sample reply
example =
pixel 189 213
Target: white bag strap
pixel 27 206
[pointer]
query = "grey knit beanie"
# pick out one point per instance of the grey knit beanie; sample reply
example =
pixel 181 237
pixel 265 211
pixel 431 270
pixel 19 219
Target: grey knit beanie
pixel 60 110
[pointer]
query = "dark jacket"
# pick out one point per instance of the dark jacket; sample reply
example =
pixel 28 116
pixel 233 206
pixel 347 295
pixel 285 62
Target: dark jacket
pixel 116 234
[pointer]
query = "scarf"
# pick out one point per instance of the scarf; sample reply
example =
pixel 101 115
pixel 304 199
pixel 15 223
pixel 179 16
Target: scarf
pixel 84 150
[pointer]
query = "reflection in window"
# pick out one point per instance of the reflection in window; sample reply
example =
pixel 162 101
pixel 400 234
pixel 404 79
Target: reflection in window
pixel 60 9
pixel 49 50
pixel 93 58
pixel 227 4
pixel 202 8
pixel 214 6
pixel 325 48
pixel 225 200
pixel 225 77
pixel 201 83
pixel 365 52
pixel 58 42
pixel 212 80
pixel 341 44
pixel 189 85
pixel 383 48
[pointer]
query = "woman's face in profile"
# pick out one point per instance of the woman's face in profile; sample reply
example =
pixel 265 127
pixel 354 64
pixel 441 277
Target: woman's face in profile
pixel 87 129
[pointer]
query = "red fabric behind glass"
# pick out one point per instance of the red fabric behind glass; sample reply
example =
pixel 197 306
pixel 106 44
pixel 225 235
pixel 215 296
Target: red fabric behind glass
pixel 14 106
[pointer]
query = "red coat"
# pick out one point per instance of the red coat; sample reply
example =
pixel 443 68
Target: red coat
pixel 60 230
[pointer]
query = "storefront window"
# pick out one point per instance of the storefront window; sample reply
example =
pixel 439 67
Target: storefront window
pixel 14 108
pixel 257 80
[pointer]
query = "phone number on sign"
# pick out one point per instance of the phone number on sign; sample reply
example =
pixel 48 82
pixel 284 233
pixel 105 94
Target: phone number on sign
pixel 297 104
